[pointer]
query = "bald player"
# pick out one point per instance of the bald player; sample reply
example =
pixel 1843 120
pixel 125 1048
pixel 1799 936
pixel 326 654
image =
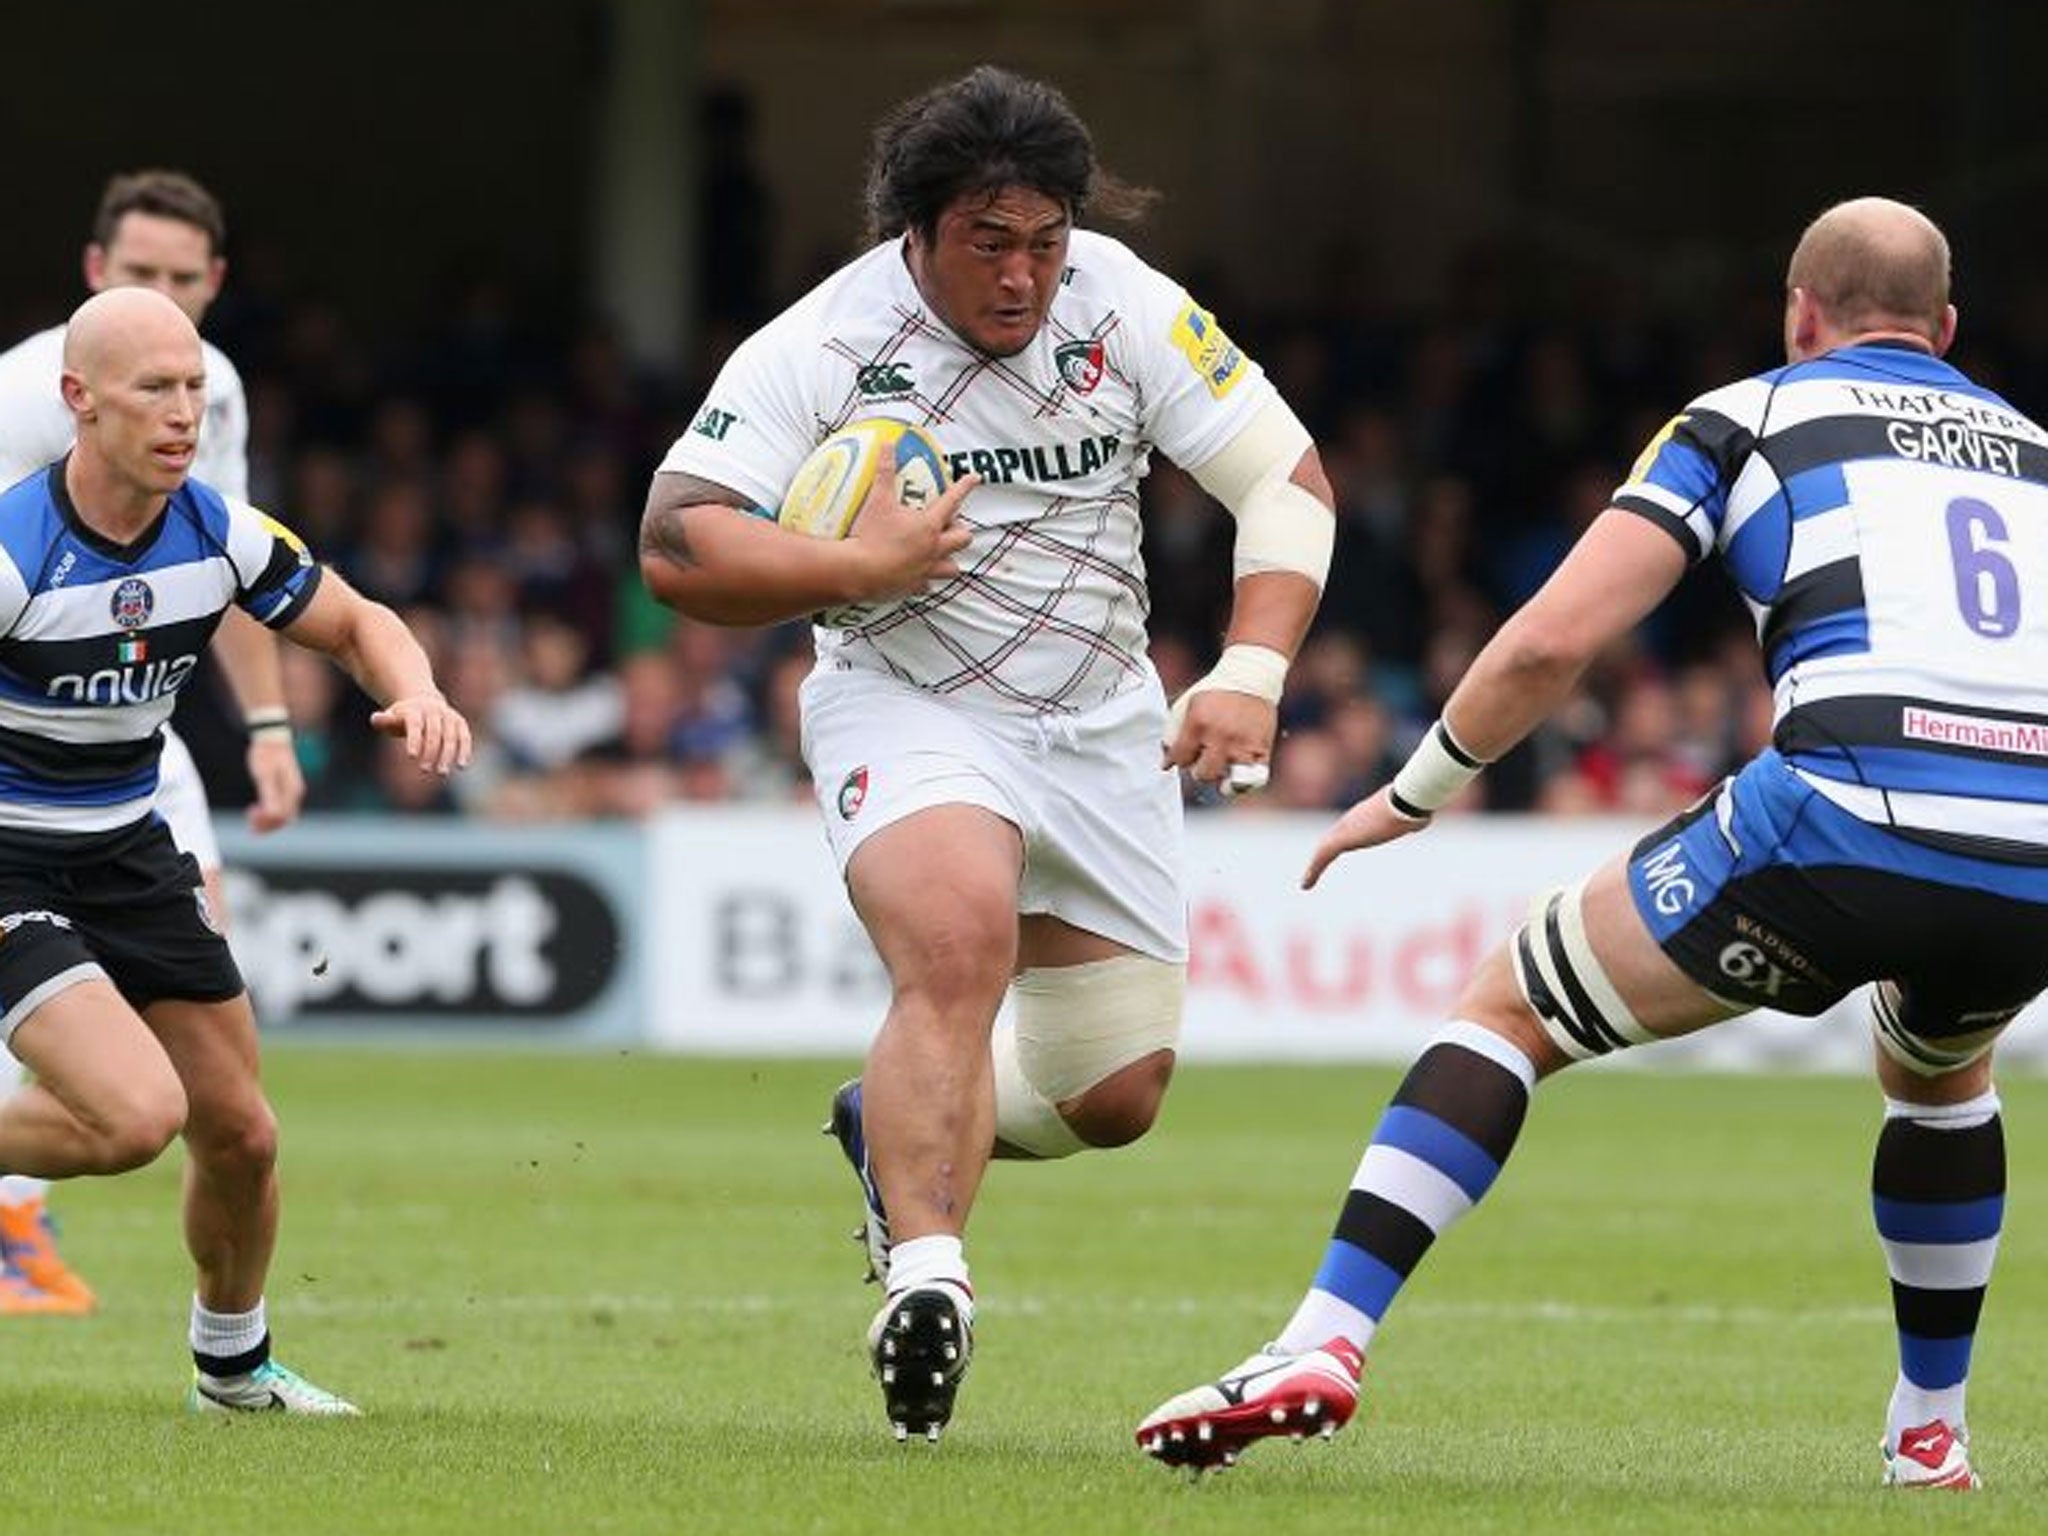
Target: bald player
pixel 153 229
pixel 116 988
pixel 1886 520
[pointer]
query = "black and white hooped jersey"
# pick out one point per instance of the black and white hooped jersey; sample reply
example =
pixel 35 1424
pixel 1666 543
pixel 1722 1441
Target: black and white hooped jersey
pixel 1886 520
pixel 1048 612
pixel 97 638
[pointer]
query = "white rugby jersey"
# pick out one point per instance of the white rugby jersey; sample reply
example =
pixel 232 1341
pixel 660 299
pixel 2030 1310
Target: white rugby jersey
pixel 1048 613
pixel 97 638
pixel 36 425
pixel 1886 520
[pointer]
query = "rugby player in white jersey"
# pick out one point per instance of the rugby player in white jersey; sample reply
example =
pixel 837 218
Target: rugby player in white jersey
pixel 1885 517
pixel 162 230
pixel 117 988
pixel 990 745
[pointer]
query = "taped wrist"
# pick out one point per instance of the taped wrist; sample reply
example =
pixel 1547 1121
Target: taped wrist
pixel 1433 776
pixel 1258 670
pixel 266 723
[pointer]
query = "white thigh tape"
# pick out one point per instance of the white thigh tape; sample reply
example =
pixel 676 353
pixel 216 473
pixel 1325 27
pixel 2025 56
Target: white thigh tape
pixel 1077 1024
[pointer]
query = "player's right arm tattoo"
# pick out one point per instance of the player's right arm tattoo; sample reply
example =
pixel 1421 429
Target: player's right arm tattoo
pixel 662 535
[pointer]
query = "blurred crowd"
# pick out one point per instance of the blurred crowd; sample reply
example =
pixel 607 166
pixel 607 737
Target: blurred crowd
pixel 485 478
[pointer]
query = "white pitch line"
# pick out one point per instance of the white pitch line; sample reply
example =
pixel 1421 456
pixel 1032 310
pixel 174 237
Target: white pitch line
pixel 754 1304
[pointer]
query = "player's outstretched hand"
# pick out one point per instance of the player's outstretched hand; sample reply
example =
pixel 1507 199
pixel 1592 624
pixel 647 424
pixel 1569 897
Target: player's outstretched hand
pixel 280 786
pixel 908 548
pixel 436 735
pixel 1366 825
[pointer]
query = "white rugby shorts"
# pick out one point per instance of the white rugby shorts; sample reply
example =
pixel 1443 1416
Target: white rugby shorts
pixel 181 801
pixel 1100 819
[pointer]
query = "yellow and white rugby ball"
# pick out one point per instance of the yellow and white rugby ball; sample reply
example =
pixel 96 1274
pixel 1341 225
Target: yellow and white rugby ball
pixel 826 494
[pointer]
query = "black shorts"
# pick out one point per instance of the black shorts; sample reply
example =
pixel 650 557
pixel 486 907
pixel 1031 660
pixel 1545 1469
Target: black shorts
pixel 1767 893
pixel 129 907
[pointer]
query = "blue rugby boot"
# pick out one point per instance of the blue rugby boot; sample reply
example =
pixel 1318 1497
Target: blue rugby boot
pixel 844 1126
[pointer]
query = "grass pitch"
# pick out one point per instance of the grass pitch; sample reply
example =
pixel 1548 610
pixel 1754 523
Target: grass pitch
pixel 614 1294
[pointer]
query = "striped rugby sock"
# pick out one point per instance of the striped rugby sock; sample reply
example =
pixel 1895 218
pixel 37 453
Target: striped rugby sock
pixel 1435 1152
pixel 1937 1187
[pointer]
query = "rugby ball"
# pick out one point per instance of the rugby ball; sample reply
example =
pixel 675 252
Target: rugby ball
pixel 826 493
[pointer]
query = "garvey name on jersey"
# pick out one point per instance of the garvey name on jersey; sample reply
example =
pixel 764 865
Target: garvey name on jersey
pixel 97 638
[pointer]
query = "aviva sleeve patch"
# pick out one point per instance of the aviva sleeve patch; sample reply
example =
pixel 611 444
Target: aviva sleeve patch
pixel 285 536
pixel 1213 355
pixel 1640 471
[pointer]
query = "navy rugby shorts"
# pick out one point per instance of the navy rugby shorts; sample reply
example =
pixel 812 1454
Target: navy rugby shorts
pixel 1770 895
pixel 131 908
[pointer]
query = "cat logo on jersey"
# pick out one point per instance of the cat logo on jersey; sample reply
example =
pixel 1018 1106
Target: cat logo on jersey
pixel 132 603
pixel 714 423
pixel 1213 355
pixel 1080 364
pixel 1655 446
pixel 278 530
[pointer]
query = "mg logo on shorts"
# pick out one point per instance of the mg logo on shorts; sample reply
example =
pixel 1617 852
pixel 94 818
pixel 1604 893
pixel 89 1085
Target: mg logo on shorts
pixel 853 793
pixel 132 603
pixel 1670 883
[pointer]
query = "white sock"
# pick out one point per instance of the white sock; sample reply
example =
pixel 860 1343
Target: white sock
pixel 1320 1318
pixel 20 1189
pixel 17 1188
pixel 1913 1406
pixel 1025 1118
pixel 227 1334
pixel 923 1260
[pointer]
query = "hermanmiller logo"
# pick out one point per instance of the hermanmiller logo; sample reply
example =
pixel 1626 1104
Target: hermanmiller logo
pixel 2028 737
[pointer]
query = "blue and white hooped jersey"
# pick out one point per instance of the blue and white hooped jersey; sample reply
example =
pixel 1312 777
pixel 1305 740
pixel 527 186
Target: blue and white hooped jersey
pixel 97 638
pixel 1886 520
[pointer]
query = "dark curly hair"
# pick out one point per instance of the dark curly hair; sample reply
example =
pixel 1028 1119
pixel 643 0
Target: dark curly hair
pixel 987 130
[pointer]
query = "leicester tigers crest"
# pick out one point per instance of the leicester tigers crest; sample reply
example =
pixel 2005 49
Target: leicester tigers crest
pixel 1080 364
pixel 853 793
